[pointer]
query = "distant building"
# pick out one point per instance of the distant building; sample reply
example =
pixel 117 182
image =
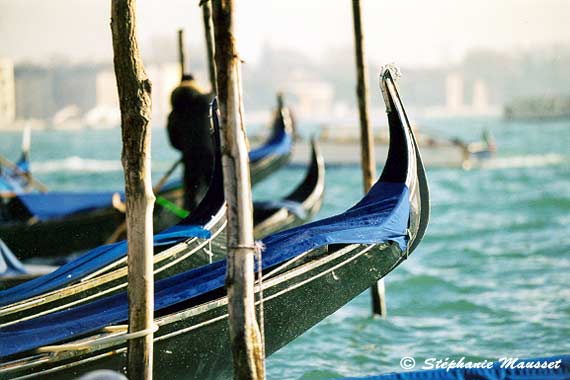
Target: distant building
pixel 106 93
pixel 7 93
pixel 35 93
pixel 480 95
pixel 43 92
pixel 454 91
pixel 85 95
pixel 312 98
pixel 75 86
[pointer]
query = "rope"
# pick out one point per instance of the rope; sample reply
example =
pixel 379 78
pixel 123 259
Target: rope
pixel 106 340
pixel 209 251
pixel 259 247
pixel 243 246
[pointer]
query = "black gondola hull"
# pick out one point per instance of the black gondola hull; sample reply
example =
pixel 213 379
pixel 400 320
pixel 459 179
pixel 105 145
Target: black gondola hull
pixel 194 343
pixel 78 232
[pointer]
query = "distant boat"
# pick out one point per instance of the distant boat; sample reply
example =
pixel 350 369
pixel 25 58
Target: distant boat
pixel 547 108
pixel 297 207
pixel 308 273
pixel 275 152
pixel 67 118
pixel 341 146
pixel 102 117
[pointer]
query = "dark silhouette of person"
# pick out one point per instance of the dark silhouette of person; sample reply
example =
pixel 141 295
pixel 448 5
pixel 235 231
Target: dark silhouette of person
pixel 189 131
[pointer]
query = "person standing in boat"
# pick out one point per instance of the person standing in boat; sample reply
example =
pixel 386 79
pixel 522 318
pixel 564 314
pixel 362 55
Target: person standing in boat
pixel 189 132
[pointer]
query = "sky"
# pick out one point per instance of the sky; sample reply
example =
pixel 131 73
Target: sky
pixel 409 32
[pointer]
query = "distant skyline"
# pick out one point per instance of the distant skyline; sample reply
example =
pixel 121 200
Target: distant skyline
pixel 409 32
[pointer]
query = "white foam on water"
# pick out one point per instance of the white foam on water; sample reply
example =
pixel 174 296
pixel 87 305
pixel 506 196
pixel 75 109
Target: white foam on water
pixel 76 164
pixel 85 165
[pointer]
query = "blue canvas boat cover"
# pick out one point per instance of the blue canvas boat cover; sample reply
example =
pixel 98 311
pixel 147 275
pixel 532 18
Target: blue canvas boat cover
pixel 502 369
pixel 91 261
pixel 280 143
pixel 9 264
pixel 55 205
pixel 381 216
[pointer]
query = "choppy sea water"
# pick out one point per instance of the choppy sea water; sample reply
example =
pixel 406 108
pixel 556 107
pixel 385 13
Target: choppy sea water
pixel 489 280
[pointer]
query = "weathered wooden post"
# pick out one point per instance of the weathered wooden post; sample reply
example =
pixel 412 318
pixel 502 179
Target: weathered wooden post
pixel 181 52
pixel 247 349
pixel 366 138
pixel 135 102
pixel 209 34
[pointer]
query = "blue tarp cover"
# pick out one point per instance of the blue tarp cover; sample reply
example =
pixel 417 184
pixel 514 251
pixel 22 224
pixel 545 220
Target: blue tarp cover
pixel 502 370
pixel 381 216
pixel 280 143
pixel 91 261
pixel 54 205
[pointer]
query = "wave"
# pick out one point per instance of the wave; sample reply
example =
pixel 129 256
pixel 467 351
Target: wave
pixel 85 165
pixel 524 161
pixel 77 164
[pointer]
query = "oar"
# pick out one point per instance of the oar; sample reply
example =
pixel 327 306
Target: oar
pixel 166 175
pixel 34 182
pixel 121 206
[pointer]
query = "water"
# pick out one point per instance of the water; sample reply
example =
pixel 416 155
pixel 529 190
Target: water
pixel 489 280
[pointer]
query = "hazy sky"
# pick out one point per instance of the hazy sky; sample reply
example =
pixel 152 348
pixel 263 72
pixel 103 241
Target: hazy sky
pixel 410 32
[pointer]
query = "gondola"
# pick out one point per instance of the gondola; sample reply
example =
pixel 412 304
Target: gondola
pixel 309 272
pixel 40 224
pixel 103 271
pixel 275 152
pixel 296 208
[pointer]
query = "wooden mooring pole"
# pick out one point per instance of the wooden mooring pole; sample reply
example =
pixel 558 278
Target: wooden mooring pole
pixel 210 47
pixel 366 137
pixel 245 336
pixel 134 89
pixel 181 52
